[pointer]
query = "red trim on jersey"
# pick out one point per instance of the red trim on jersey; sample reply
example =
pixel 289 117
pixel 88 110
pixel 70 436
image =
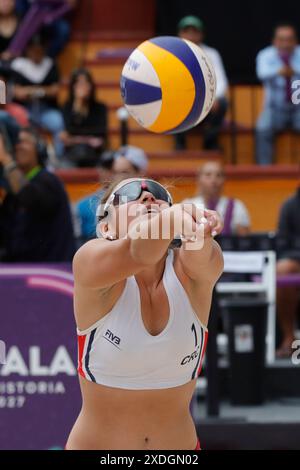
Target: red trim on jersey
pixel 202 353
pixel 198 446
pixel 81 343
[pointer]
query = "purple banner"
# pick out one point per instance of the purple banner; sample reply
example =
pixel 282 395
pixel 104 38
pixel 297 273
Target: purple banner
pixel 39 389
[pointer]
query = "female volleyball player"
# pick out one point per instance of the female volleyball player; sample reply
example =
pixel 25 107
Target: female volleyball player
pixel 141 310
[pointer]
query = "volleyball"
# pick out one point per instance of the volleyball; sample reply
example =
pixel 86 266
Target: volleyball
pixel 168 84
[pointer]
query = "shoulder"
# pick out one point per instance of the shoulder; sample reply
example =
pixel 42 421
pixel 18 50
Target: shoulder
pixel 90 202
pixel 46 175
pixel 215 57
pixel 290 202
pixel 239 205
pixel 211 51
pixel 18 66
pixel 18 63
pixel 266 52
pixel 50 181
pixel 86 251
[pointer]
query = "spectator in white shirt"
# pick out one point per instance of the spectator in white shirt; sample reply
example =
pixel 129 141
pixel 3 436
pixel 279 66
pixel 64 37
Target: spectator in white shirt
pixel 211 181
pixel 192 28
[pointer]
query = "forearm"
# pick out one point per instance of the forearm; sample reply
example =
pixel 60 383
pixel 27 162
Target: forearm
pixel 99 264
pixel 150 238
pixel 51 91
pixel 70 140
pixel 201 255
pixel 206 263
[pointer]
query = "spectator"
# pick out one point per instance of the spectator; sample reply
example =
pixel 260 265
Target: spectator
pixel 35 214
pixel 277 66
pixel 125 162
pixel 288 263
pixel 85 122
pixel 211 183
pixel 191 28
pixel 47 14
pixel 9 21
pixel 12 115
pixel 36 88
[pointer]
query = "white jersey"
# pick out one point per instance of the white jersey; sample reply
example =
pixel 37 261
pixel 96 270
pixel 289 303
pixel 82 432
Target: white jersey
pixel 118 351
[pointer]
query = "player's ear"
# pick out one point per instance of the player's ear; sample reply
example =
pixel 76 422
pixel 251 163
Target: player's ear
pixel 103 231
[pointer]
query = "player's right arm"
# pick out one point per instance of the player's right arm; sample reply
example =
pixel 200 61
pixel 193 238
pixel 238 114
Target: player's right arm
pixel 101 263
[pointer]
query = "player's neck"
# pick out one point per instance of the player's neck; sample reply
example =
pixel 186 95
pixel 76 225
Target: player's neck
pixel 151 276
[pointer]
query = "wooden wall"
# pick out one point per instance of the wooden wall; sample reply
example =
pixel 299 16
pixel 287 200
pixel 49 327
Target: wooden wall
pixel 106 18
pixel 263 196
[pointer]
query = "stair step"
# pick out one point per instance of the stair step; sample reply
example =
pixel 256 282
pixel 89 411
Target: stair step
pixel 108 71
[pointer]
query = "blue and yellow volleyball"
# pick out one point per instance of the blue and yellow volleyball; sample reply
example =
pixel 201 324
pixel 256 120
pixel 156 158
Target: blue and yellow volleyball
pixel 168 84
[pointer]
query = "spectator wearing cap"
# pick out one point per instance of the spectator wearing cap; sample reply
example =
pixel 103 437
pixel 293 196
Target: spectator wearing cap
pixel 288 263
pixel 35 213
pixel 85 120
pixel 192 28
pixel 211 181
pixel 128 161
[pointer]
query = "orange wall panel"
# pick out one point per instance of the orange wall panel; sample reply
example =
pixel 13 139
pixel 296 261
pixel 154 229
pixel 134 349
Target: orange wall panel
pixel 263 197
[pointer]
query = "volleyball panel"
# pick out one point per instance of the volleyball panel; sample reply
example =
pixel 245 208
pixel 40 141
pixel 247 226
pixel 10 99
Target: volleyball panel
pixel 177 86
pixel 145 114
pixel 184 53
pixel 140 89
pixel 139 68
pixel 209 79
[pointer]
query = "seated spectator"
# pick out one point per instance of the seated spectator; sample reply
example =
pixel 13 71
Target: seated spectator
pixel 12 115
pixel 9 21
pixel 35 213
pixel 85 121
pixel 191 28
pixel 38 14
pixel 36 88
pixel 288 263
pixel 211 181
pixel 277 67
pixel 126 162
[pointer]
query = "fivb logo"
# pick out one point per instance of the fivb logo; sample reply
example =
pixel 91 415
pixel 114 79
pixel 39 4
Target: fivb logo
pixel 2 92
pixel 2 352
pixel 113 338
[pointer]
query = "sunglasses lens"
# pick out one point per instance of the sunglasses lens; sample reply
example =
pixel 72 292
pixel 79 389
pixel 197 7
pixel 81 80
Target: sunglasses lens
pixel 132 191
pixel 158 191
pixel 128 192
